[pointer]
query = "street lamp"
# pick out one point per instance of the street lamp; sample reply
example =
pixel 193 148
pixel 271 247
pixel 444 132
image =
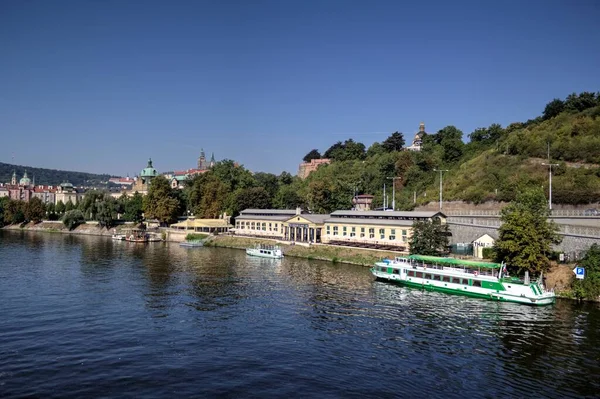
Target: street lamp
pixel 393 179
pixel 550 165
pixel 440 170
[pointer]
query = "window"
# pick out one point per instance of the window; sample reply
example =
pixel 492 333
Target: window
pixel 362 229
pixel 353 229
pixel 391 238
pixel 403 232
pixel 428 276
pixel 270 227
pixel 396 271
pixel 344 228
pixel 393 232
pixel 276 224
pixel 264 226
pixel 328 230
pixel 419 274
pixel 371 231
pixel 352 234
pixel 382 231
pixel 411 273
pixel 362 235
pixel 476 283
pixel 437 277
pixel 446 279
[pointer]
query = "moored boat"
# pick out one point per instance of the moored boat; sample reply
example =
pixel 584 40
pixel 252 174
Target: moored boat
pixel 118 237
pixel 266 251
pixel 455 276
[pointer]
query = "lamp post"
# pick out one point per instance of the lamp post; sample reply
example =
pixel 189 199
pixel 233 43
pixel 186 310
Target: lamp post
pixel 393 179
pixel 440 170
pixel 550 165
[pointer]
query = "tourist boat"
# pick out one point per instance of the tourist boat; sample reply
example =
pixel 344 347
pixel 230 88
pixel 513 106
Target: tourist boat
pixel 118 237
pixel 455 276
pixel 137 235
pixel 266 251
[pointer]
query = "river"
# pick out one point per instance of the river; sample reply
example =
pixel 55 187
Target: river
pixel 86 316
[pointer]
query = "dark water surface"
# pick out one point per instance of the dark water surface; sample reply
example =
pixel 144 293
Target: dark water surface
pixel 89 317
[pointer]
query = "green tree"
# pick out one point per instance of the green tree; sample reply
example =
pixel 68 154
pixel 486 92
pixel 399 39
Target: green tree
pixel 553 108
pixel 251 198
pixel 34 210
pixel 347 151
pixel 73 218
pixel 160 203
pixel 526 235
pixel 429 237
pixel 60 207
pixel 214 199
pixel 69 206
pixel 13 212
pixel 589 287
pixel 269 182
pixel 288 197
pixel 394 143
pixel 3 203
pixel 107 212
pixel 134 208
pixel 313 154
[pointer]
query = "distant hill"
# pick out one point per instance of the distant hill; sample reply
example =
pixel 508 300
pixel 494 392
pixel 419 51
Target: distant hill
pixel 52 176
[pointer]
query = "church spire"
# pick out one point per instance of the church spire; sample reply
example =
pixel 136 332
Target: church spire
pixel 13 181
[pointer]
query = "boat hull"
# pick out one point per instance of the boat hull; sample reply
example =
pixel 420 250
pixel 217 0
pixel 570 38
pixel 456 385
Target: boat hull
pixel 271 254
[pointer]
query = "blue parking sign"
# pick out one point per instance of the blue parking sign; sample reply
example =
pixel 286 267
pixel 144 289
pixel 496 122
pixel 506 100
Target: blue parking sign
pixel 579 272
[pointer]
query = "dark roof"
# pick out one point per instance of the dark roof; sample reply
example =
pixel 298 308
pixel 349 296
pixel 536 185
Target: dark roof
pixel 387 214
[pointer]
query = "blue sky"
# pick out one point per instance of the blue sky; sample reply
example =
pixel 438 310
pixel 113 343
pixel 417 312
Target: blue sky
pixel 100 86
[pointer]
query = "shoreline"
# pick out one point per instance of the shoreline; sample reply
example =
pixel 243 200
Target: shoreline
pixel 330 253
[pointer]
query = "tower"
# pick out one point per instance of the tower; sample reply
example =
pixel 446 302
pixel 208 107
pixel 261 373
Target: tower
pixel 202 160
pixel 13 181
pixel 212 160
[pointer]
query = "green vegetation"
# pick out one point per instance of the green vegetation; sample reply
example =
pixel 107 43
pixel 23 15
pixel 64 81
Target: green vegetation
pixel 429 237
pixel 52 176
pixel 195 236
pixel 161 202
pixel 73 218
pixel 526 235
pixel 589 287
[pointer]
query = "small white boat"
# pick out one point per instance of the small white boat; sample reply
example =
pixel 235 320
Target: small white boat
pixel 118 237
pixel 266 251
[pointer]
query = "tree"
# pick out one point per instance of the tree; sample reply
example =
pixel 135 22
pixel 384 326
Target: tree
pixel 450 138
pixel 60 207
pixel 214 198
pixel 394 143
pixel 589 287
pixel 347 151
pixel 73 218
pixel 429 237
pixel 288 198
pixel 313 154
pixel 13 212
pixel 69 206
pixel 3 203
pixel 526 235
pixel 34 210
pixel 106 212
pixel 251 198
pixel 553 108
pixel 134 208
pixel 160 203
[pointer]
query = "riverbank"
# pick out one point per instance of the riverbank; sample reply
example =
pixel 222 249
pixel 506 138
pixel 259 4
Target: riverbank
pixel 356 256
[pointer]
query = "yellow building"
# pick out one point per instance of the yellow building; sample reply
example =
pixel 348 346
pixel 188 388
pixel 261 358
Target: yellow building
pixel 264 223
pixel 220 225
pixel 374 229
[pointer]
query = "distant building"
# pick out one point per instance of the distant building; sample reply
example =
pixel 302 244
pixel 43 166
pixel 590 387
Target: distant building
pixel 306 168
pixel 362 202
pixel 122 181
pixel 65 193
pixel 143 181
pixel 203 164
pixel 418 140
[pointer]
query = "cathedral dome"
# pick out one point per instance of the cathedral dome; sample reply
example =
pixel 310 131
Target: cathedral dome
pixel 25 181
pixel 149 171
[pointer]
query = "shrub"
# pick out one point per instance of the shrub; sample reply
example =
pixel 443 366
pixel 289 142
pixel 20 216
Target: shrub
pixel 488 253
pixel 73 218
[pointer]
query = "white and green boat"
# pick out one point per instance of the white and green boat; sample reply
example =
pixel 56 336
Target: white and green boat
pixel 455 276
pixel 266 251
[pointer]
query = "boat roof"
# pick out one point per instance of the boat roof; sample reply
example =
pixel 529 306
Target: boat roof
pixel 454 261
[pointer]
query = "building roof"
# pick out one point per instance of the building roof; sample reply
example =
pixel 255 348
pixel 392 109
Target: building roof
pixel 268 211
pixel 279 218
pixel 367 221
pixel 386 214
pixel 197 223
pixel 315 217
pixel 149 171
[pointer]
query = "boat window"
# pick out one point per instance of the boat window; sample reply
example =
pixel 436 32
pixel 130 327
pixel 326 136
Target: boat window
pixel 446 279
pixel 437 277
pixel 411 273
pixel 396 271
pixel 455 280
pixel 419 275
pixel 427 276
pixel 476 283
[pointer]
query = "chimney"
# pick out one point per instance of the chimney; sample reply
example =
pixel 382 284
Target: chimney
pixel 298 211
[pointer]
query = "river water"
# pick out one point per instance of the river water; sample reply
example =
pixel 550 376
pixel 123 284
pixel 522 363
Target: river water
pixel 88 317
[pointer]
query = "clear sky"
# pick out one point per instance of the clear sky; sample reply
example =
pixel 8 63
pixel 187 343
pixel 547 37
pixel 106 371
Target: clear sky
pixel 100 86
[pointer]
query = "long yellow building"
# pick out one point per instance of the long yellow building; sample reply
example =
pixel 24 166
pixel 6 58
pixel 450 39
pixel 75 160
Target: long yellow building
pixel 370 229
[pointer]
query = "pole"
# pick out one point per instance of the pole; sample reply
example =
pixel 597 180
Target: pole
pixel 550 165
pixel 441 184
pixel 384 196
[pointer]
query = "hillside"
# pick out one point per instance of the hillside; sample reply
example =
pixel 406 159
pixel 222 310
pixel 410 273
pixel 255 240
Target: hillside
pixel 51 176
pixel 495 164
